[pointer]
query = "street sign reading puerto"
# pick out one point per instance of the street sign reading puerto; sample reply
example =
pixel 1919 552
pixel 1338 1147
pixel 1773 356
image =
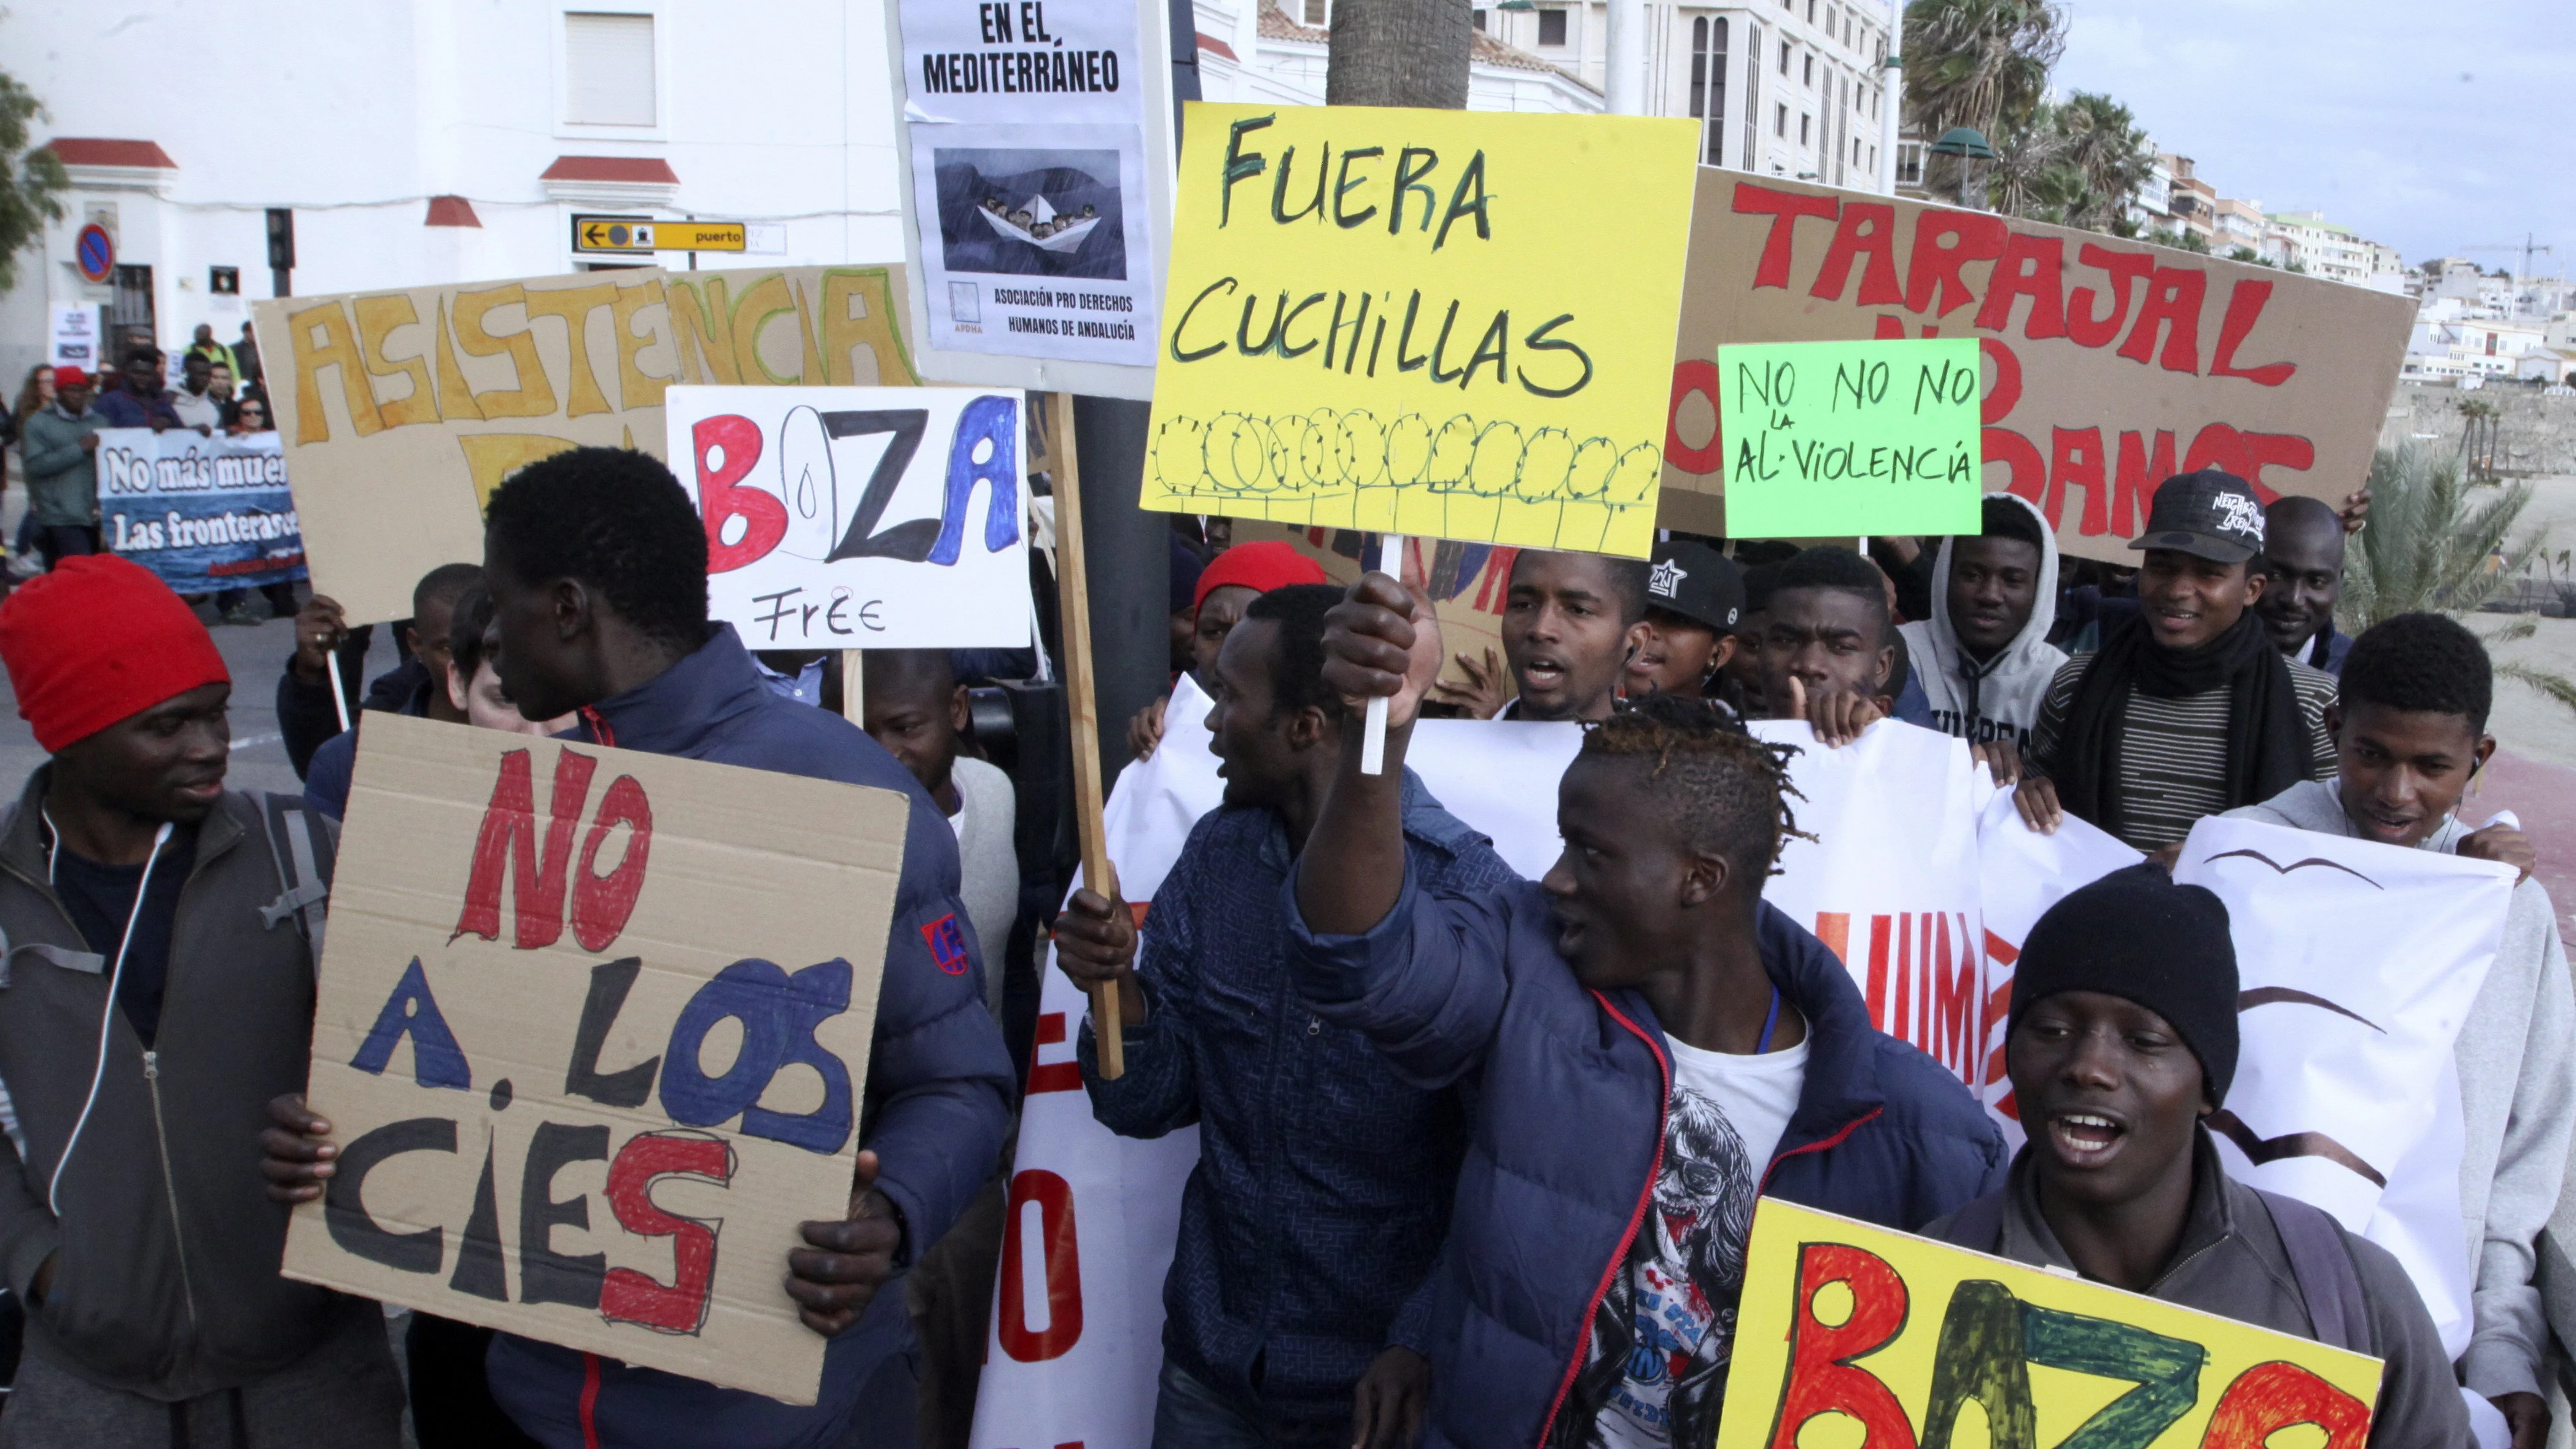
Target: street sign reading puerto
pixel 642 235
pixel 96 252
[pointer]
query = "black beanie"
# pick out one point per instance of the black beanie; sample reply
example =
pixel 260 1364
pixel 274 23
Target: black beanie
pixel 2136 935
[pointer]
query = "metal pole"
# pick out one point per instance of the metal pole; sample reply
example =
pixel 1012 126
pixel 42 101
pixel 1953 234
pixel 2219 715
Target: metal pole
pixel 1891 101
pixel 1624 85
pixel 1129 557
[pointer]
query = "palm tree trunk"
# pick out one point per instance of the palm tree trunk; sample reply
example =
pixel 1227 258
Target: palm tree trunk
pixel 1398 53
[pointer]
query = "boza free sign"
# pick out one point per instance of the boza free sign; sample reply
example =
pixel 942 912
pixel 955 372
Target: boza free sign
pixel 591 1035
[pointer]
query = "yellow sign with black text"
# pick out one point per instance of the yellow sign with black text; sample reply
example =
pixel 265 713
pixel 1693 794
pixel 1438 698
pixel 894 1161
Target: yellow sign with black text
pixel 1901 1337
pixel 642 235
pixel 1439 323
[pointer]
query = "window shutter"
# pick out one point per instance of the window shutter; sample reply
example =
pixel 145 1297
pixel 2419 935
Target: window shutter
pixel 608 64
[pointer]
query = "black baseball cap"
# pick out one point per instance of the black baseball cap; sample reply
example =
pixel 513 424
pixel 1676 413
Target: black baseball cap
pixel 1696 582
pixel 2208 514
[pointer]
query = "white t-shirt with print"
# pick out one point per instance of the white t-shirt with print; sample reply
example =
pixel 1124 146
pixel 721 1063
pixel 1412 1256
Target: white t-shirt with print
pixel 1686 1269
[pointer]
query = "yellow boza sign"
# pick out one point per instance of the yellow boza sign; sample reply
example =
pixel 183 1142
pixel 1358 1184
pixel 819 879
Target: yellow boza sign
pixel 1423 322
pixel 1908 1342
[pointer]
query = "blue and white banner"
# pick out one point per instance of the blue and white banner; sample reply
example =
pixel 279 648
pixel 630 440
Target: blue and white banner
pixel 203 513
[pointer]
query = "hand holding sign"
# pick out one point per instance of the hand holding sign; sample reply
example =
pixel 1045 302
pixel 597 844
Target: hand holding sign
pixel 1383 642
pixel 298 1152
pixel 835 1278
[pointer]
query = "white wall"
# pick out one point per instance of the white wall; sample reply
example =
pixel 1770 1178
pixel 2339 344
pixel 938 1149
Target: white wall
pixel 355 114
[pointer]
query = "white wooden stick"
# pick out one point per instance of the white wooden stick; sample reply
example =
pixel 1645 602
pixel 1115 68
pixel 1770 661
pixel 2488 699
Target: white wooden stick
pixel 1390 561
pixel 340 696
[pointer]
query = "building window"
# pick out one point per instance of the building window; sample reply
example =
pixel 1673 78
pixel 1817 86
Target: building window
pixel 1551 27
pixel 1811 12
pixel 1833 18
pixel 1807 67
pixel 1784 57
pixel 1319 13
pixel 1806 129
pixel 608 69
pixel 130 307
pixel 1909 163
pixel 1780 123
pixel 1476 18
pixel 1708 86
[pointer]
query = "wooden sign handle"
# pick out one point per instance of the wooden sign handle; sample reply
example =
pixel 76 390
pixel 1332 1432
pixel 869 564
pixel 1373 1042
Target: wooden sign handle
pixel 1081 702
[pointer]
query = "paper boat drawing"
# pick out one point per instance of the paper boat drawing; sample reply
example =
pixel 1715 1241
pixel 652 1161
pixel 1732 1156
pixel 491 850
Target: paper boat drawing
pixel 1039 224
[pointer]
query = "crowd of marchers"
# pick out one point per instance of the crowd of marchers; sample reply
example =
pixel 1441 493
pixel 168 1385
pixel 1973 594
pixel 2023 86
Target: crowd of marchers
pixel 1478 1153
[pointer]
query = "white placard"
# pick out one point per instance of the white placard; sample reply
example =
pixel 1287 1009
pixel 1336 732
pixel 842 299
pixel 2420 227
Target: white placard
pixel 859 517
pixel 1037 188
pixel 79 338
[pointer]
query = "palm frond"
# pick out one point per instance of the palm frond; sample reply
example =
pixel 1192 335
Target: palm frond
pixel 2549 682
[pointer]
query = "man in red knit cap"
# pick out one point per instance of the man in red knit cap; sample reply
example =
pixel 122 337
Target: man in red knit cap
pixel 1226 587
pixel 141 1057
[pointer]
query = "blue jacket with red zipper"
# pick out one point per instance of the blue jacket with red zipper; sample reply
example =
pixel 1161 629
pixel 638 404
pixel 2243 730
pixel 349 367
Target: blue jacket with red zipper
pixel 935 1108
pixel 1571 1087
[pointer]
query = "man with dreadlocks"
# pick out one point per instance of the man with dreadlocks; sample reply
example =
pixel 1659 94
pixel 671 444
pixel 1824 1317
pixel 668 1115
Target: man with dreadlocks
pixel 1639 1031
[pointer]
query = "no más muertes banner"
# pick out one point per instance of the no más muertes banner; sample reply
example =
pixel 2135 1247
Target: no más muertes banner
pixel 202 513
pixel 592 1028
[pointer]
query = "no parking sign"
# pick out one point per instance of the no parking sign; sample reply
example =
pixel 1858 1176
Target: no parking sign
pixel 95 252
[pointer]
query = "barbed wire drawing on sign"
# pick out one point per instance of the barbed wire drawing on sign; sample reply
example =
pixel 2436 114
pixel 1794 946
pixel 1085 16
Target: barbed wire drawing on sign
pixel 1331 468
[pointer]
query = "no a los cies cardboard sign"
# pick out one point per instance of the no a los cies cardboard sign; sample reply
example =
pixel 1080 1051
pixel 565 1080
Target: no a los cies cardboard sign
pixel 591 1035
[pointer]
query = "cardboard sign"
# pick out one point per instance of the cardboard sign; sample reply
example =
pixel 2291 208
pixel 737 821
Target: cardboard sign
pixel 849 517
pixel 792 326
pixel 1400 320
pixel 1899 1334
pixel 403 410
pixel 586 1089
pixel 203 513
pixel 1851 437
pixel 1468 582
pixel 2111 364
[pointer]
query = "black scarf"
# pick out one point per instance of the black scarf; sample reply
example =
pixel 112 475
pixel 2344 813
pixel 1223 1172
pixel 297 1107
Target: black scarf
pixel 2267 740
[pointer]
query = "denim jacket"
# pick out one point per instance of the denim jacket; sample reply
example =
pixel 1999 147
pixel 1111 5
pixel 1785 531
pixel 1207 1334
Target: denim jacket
pixel 1324 1180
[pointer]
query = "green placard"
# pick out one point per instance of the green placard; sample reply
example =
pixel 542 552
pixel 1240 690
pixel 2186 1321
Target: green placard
pixel 1848 438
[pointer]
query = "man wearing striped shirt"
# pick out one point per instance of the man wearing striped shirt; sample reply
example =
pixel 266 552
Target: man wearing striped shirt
pixel 2188 709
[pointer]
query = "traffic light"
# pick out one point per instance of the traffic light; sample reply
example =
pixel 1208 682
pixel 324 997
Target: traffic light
pixel 281 247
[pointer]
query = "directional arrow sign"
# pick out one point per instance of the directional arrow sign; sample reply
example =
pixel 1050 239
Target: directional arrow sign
pixel 612 235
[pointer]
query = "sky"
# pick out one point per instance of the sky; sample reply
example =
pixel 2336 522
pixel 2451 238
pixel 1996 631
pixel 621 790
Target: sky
pixel 2429 127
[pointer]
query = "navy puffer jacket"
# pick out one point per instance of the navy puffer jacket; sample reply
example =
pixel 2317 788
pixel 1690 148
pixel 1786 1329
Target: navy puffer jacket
pixel 1571 1087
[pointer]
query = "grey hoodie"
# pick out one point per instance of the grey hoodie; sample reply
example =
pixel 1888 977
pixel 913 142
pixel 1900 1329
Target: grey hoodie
pixel 167 1247
pixel 2231 1262
pixel 2009 688
pixel 2518 1096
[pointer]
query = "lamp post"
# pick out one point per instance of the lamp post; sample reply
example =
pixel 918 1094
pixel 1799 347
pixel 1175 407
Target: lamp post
pixel 1965 143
